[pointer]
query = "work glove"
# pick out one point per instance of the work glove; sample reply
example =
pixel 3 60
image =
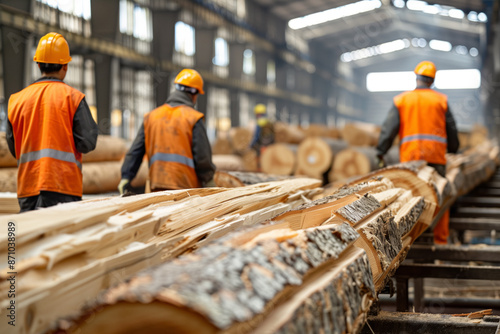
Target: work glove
pixel 210 183
pixel 380 161
pixel 124 185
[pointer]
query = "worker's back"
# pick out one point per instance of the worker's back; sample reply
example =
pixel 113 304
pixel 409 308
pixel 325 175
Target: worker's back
pixel 422 129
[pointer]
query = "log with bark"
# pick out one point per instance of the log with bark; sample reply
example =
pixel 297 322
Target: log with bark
pixel 68 253
pixel 279 159
pixel 231 284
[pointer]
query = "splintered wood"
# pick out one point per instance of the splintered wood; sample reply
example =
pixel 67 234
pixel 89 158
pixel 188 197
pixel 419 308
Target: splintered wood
pixel 67 254
pixel 266 257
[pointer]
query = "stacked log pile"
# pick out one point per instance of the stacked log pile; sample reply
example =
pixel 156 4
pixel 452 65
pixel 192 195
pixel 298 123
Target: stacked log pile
pixel 100 168
pixel 263 258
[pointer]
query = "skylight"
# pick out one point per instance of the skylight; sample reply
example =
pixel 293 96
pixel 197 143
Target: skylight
pixel 334 14
pixel 401 44
pixel 436 9
pixel 405 80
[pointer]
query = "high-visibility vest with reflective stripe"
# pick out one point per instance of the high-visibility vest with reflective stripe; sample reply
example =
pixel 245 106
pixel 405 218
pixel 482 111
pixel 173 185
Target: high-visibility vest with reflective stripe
pixel 169 134
pixel 42 121
pixel 422 131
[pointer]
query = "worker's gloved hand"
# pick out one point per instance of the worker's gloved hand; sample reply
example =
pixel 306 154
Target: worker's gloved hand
pixel 124 185
pixel 210 183
pixel 380 161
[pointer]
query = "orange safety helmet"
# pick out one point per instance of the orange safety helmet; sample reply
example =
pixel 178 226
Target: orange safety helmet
pixel 190 78
pixel 52 49
pixel 426 68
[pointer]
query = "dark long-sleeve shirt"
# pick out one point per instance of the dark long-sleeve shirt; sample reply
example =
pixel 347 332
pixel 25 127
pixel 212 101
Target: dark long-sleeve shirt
pixel 200 146
pixel 84 128
pixel 390 130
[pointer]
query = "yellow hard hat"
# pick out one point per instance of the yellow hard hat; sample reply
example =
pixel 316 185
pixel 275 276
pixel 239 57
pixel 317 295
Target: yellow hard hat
pixel 52 49
pixel 426 68
pixel 259 109
pixel 190 78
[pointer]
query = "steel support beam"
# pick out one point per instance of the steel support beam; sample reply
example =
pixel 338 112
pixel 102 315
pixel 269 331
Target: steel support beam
pixel 393 322
pixel 454 253
pixel 448 271
pixel 235 73
pixel 15 48
pixel 474 224
pixel 163 49
pixel 478 212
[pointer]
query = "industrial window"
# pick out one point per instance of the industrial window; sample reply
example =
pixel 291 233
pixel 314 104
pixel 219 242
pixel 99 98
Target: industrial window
pixel 184 39
pixel 71 15
pixel 136 20
pixel 248 62
pixel 184 44
pixel 136 95
pixel 236 7
pixel 221 52
pixel 221 58
pixel 218 112
pixel 271 73
pixel 403 81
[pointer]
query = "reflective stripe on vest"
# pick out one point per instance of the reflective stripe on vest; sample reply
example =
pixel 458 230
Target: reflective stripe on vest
pixel 167 157
pixel 49 153
pixel 424 137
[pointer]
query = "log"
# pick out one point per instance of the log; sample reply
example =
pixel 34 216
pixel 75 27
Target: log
pixel 222 146
pixel 360 134
pixel 228 162
pixel 314 155
pixel 103 177
pixel 228 285
pixel 98 177
pixel 250 161
pixel 289 134
pixel 279 159
pixel 69 253
pixel 108 148
pixel 241 179
pixel 6 158
pixel 240 138
pixel 355 161
pixel 8 179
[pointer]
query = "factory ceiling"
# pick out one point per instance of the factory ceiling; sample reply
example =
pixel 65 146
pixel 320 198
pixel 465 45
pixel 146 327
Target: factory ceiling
pixel 386 23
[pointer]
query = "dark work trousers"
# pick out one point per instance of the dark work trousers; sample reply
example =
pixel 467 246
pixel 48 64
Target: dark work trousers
pixel 44 200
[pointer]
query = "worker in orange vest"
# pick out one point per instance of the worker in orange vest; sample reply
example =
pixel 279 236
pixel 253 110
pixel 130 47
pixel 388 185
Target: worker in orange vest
pixel 49 127
pixel 174 138
pixel 426 129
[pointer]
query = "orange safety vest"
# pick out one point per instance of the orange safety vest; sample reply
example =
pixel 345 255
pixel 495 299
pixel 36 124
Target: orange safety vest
pixel 169 134
pixel 422 130
pixel 42 121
